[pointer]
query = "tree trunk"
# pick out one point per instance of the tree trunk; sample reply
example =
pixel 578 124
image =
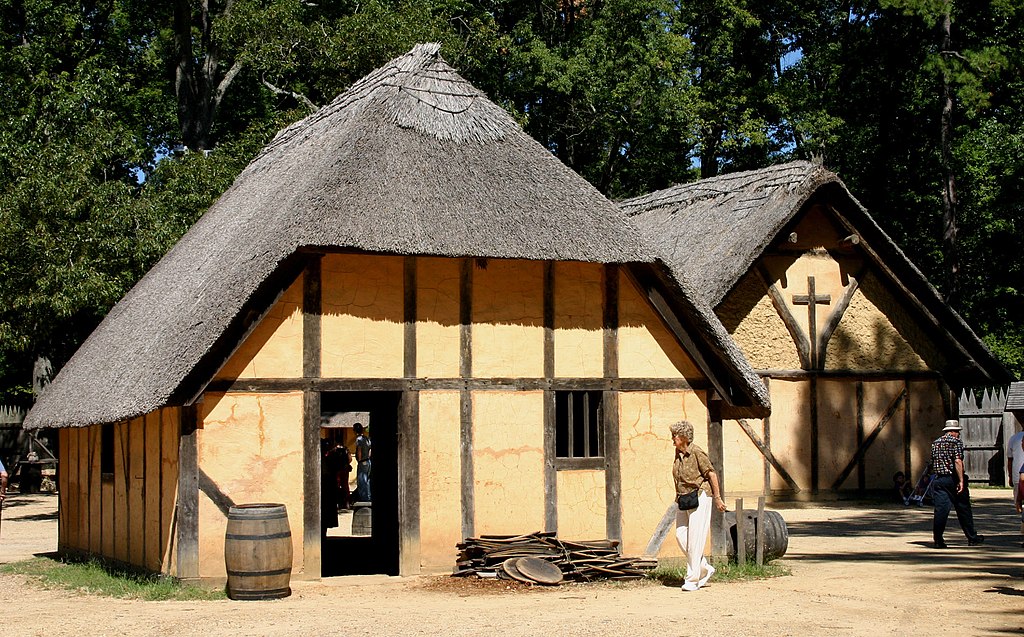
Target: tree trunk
pixel 949 229
pixel 198 83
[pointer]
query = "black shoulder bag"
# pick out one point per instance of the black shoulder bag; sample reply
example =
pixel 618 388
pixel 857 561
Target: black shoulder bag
pixel 688 501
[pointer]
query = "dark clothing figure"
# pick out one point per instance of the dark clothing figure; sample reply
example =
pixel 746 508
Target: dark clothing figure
pixel 341 466
pixel 949 488
pixel 946 497
pixel 328 490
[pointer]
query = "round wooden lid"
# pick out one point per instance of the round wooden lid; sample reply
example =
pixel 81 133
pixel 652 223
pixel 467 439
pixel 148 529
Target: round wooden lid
pixel 538 570
pixel 509 566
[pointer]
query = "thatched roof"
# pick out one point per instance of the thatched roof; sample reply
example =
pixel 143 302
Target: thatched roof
pixel 411 160
pixel 713 230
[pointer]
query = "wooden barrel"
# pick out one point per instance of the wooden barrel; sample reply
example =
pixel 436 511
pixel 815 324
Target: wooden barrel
pixel 776 534
pixel 362 519
pixel 258 552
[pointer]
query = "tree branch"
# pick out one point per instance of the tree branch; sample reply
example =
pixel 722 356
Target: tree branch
pixel 299 96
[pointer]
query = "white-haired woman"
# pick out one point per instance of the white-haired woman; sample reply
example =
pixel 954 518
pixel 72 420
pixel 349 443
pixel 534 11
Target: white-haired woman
pixel 696 491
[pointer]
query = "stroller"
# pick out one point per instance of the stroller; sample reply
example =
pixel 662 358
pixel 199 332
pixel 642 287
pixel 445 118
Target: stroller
pixel 922 489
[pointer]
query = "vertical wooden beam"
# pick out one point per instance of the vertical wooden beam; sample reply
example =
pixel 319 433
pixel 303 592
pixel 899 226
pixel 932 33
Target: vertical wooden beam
pixel 151 490
pixel 861 477
pixel 741 533
pixel 767 424
pixel 410 314
pixel 716 453
pixel 466 398
pixel 136 491
pixel 550 473
pixel 311 366
pixel 188 495
pixel 814 431
pixel 610 406
pixel 907 433
pixel 121 506
pixel 91 508
pixel 63 490
pixel 409 438
pixel 409 484
pixel 170 437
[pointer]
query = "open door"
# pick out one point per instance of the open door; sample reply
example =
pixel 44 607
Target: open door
pixel 359 507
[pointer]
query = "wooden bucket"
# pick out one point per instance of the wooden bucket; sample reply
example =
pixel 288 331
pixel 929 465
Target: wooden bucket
pixel 258 552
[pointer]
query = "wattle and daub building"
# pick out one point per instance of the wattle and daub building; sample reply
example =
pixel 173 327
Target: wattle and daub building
pixel 516 344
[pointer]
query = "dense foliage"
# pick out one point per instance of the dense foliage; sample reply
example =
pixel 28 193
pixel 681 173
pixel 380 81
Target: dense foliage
pixel 122 120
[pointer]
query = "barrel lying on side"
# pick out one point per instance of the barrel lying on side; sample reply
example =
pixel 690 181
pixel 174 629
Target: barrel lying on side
pixel 776 534
pixel 258 552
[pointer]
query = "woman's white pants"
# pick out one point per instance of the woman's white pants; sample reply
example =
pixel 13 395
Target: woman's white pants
pixel 692 529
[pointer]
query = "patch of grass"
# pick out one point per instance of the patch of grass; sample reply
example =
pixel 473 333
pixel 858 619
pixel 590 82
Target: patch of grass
pixel 95 577
pixel 672 571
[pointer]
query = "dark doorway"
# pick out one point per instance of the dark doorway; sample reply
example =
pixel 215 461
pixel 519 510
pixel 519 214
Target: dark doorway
pixel 376 553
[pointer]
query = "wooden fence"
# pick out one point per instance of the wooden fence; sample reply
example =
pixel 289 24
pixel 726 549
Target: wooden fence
pixel 986 429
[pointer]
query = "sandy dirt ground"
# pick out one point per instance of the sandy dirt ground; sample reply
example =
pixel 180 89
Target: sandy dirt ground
pixel 857 569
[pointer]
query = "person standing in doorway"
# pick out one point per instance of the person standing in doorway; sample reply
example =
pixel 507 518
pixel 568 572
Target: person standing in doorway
pixel 949 489
pixel 363 454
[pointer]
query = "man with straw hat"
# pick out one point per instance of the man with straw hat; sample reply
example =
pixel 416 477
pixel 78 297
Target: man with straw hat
pixel 950 486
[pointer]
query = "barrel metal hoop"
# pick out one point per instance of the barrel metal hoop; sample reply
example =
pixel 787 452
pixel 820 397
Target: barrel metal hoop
pixel 281 571
pixel 269 536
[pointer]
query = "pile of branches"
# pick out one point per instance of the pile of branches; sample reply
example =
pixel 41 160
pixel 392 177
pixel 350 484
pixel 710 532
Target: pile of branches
pixel 581 561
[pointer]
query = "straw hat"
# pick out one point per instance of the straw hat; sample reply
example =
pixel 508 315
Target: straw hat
pixel 952 425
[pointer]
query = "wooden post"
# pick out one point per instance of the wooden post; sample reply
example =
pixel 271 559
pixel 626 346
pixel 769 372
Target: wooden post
pixel 759 542
pixel 312 550
pixel 741 533
pixel 716 452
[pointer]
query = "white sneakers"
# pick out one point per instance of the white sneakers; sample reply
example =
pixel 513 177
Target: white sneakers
pixel 692 586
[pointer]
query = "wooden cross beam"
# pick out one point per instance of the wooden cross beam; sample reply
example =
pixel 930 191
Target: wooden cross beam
pixel 866 444
pixel 812 300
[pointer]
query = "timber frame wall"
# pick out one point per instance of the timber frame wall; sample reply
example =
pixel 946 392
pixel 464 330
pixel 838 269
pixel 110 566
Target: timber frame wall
pixel 312 383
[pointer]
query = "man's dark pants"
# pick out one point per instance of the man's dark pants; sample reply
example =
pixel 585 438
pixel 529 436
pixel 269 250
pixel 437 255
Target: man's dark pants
pixel 945 497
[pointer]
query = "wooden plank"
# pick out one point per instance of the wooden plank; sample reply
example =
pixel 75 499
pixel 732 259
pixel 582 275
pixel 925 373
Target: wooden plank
pixel 769 457
pixel 759 538
pixel 766 425
pixel 861 473
pixel 170 435
pixel 716 453
pixel 814 433
pixel 136 496
pixel 907 435
pixel 613 465
pixel 122 514
pixel 466 398
pixel 409 485
pixel 289 385
pixel 410 317
pixel 661 531
pixel 610 405
pixel 63 490
pixel 791 374
pixel 837 314
pixel 212 490
pixel 741 533
pixel 550 450
pixel 187 521
pixel 107 511
pixel 803 346
pixel 151 492
pixel 77 534
pixel 312 344
pixel 866 444
pixel 91 510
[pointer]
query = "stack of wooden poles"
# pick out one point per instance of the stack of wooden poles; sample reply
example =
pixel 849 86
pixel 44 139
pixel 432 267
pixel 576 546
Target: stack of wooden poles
pixel 579 561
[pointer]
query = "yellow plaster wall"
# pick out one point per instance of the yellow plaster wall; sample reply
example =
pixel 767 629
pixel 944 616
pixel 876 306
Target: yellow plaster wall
pixel 274 348
pixel 250 446
pixel 647 349
pixel 885 456
pixel 791 279
pixel 837 430
pixel 581 505
pixel 440 478
pixel 877 333
pixel 750 317
pixel 508 462
pixel 646 455
pixel 363 316
pixel 744 464
pixel 508 319
pixel 579 320
pixel 927 415
pixel 791 432
pixel 437 310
